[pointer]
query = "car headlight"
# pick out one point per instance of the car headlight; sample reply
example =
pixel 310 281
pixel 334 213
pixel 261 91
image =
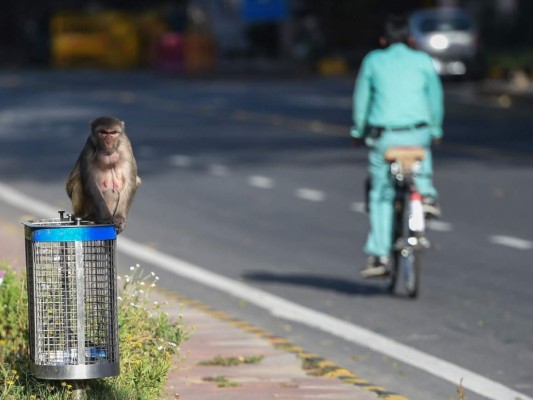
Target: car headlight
pixel 439 42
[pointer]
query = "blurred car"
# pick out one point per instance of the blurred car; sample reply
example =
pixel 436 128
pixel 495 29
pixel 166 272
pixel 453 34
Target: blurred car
pixel 451 37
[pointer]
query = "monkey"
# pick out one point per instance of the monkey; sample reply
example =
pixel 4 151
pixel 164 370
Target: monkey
pixel 104 180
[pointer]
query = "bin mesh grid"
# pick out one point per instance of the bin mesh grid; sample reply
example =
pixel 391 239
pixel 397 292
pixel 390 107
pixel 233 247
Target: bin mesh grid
pixel 100 301
pixel 56 287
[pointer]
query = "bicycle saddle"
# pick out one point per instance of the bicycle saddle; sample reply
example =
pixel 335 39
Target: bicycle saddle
pixel 407 156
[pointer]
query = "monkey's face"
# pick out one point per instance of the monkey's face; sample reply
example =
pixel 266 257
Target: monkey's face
pixel 109 137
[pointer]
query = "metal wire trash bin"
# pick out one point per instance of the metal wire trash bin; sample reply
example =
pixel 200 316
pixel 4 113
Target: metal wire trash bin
pixel 72 299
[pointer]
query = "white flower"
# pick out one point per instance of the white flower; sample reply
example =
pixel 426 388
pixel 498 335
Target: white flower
pixel 119 298
pixel 172 344
pixel 137 266
pixel 160 348
pixel 152 273
pixel 142 283
pixel 119 277
pixel 152 285
pixel 141 291
pixel 156 303
pixel 132 268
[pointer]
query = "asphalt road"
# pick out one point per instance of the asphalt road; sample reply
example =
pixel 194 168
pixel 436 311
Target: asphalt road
pixel 255 180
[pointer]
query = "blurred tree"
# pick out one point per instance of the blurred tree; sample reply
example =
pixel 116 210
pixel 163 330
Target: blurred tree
pixel 505 30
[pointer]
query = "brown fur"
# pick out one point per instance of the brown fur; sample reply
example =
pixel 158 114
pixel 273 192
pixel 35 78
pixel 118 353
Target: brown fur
pixel 104 178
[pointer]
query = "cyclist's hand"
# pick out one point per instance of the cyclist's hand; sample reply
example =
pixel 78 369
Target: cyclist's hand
pixel 436 141
pixel 357 142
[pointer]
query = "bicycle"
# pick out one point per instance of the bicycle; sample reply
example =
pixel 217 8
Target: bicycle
pixel 409 240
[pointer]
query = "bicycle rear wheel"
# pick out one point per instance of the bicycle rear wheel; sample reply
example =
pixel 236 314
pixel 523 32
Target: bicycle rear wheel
pixel 397 235
pixel 406 257
pixel 393 277
pixel 409 260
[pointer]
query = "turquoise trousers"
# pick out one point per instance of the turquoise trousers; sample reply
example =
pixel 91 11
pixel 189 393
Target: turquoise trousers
pixel 379 241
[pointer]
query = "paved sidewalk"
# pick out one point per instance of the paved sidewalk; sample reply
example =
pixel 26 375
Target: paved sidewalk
pixel 281 371
pixel 278 372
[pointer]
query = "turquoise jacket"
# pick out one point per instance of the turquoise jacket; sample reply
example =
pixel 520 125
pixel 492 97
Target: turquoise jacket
pixel 397 87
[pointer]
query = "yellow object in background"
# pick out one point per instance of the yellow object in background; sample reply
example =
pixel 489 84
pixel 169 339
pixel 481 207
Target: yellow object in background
pixel 199 53
pixel 107 39
pixel 332 66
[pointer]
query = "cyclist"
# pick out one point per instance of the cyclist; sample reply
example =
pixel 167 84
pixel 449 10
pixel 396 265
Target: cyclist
pixel 398 101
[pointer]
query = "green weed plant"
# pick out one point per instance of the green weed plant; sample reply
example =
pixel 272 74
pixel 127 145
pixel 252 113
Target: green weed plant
pixel 149 341
pixel 221 381
pixel 231 361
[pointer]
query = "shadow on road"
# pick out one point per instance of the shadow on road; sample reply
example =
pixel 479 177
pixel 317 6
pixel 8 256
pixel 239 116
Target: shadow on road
pixel 323 282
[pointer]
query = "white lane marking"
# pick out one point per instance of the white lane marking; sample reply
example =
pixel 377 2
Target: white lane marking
pixel 511 241
pixel 180 161
pixel 440 226
pixel 523 386
pixel 218 170
pixel 282 308
pixel 358 207
pixel 310 194
pixel 261 182
pixel 19 200
pixel 317 126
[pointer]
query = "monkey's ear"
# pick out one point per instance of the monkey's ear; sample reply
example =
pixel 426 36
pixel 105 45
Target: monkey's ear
pixel 123 124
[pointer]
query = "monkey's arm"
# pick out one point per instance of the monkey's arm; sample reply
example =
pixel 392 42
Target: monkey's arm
pixel 131 184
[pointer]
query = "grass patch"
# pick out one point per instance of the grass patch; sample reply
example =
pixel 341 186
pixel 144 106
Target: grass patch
pixel 148 342
pixel 221 381
pixel 232 361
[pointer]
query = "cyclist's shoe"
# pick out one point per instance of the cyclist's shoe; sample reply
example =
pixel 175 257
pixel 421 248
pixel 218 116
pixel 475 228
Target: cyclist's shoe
pixel 377 267
pixel 430 207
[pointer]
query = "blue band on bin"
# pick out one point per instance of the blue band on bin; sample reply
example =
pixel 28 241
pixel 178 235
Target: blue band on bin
pixel 75 234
